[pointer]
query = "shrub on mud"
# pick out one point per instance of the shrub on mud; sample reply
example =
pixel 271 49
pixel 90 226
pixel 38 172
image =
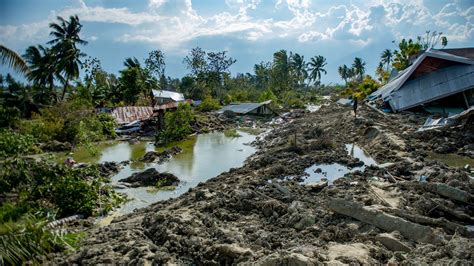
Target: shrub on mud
pixel 177 124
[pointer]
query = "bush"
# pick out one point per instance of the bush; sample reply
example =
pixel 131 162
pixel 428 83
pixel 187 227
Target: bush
pixel 71 123
pixel 50 187
pixel 209 104
pixel 12 143
pixel 9 116
pixel 177 124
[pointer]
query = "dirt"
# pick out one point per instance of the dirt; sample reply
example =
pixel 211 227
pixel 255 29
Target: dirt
pixel 262 214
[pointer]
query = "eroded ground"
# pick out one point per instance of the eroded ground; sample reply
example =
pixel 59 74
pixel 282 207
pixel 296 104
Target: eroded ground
pixel 262 213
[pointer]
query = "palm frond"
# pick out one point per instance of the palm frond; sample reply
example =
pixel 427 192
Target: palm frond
pixel 12 59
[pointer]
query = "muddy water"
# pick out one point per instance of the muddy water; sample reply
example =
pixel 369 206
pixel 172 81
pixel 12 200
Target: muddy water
pixel 452 160
pixel 204 156
pixel 334 171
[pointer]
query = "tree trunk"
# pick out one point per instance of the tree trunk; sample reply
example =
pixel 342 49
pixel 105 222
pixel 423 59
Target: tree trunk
pixel 66 84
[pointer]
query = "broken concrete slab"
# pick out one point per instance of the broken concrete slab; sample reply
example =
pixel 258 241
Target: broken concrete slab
pixel 391 242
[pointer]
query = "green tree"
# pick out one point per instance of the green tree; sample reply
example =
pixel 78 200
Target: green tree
pixel 386 58
pixel 298 66
pixel 177 124
pixel 359 68
pixel 344 72
pixel 316 67
pixel 155 64
pixel 43 70
pixel 280 72
pixel 11 59
pixel 406 50
pixel 65 41
pixel 196 61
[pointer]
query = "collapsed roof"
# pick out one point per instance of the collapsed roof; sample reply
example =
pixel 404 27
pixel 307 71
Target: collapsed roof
pixel 175 96
pixel 247 108
pixel 435 74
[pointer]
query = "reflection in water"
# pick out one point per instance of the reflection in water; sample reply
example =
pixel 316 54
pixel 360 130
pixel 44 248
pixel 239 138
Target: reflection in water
pixel 334 171
pixel 204 156
pixel 357 152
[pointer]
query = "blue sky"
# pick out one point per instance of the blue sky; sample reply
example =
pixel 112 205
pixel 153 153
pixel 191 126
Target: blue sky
pixel 250 30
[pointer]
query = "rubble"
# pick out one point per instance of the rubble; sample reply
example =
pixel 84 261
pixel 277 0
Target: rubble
pixel 262 213
pixel 159 157
pixel 151 177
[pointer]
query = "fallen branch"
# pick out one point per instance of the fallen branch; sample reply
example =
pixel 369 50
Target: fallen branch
pixel 384 221
pixel 449 226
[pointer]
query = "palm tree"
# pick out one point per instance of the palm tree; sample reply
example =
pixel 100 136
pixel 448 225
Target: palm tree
pixel 344 72
pixel 43 69
pixel 131 63
pixel 281 70
pixel 359 67
pixel 386 57
pixel 11 59
pixel 66 36
pixel 298 66
pixel 316 67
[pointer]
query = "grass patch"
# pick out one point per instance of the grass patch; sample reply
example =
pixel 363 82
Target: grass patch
pixel 231 133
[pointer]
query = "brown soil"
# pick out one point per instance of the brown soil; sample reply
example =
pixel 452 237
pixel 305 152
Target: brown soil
pixel 256 215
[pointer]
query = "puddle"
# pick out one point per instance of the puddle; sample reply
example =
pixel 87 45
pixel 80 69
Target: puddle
pixel 451 159
pixel 204 156
pixel 357 152
pixel 335 170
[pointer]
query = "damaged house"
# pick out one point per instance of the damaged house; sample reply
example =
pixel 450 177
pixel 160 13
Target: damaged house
pixel 437 80
pixel 255 109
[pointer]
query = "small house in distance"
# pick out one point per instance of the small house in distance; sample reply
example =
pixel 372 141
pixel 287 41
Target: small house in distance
pixel 437 80
pixel 164 97
pixel 256 109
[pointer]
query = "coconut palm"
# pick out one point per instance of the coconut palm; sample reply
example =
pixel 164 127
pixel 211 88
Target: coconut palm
pixel 386 57
pixel 359 67
pixel 298 65
pixel 13 60
pixel 43 70
pixel 66 37
pixel 42 67
pixel 316 67
pixel 281 71
pixel 344 72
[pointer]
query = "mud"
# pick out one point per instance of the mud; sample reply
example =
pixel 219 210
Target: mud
pixel 262 213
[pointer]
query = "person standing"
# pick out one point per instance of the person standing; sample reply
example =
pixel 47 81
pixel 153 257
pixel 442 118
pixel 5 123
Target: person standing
pixel 354 105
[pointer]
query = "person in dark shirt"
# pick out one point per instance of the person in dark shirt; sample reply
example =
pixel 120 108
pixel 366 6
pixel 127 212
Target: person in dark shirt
pixel 354 105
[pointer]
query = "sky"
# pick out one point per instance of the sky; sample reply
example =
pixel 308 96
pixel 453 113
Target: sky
pixel 249 30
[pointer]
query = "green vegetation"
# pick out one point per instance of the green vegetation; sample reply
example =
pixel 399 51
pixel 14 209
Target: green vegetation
pixel 231 133
pixel 12 143
pixel 27 238
pixel 177 124
pixel 209 104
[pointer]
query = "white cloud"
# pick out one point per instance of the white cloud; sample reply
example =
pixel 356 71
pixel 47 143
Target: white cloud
pixel 172 24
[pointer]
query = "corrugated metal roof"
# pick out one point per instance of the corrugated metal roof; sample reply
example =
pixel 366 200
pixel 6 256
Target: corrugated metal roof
pixel 175 96
pixel 128 114
pixel 398 81
pixel 433 86
pixel 242 108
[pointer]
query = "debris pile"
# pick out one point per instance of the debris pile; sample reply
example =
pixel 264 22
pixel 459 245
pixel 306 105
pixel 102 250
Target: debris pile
pixel 405 209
